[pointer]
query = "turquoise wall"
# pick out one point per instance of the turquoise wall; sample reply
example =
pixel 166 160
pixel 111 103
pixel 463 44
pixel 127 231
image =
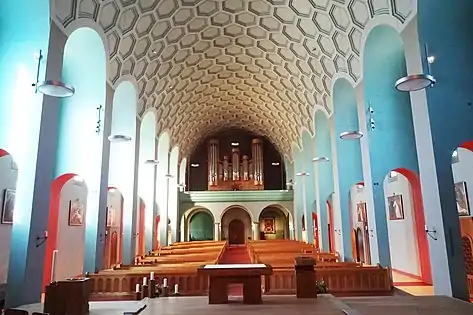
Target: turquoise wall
pixel 21 111
pixel 448 31
pixel 201 227
pixel 323 148
pixel 85 68
pixel 392 142
pixel 298 201
pixel 350 169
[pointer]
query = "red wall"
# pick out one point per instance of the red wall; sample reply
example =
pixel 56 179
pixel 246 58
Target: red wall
pixel 56 188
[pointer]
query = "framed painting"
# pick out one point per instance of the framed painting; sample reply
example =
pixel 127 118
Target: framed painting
pixel 76 213
pixel 8 207
pixel 361 212
pixel 461 195
pixel 110 216
pixel 396 207
pixel 268 226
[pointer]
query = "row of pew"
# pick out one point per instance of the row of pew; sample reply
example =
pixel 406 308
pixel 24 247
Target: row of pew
pixel 340 278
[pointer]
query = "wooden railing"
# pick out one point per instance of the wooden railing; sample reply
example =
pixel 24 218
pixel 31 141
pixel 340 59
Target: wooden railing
pixel 339 281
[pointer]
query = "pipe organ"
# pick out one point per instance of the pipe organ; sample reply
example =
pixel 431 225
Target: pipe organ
pixel 235 171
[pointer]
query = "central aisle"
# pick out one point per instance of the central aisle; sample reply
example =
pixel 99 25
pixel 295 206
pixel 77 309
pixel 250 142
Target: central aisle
pixel 235 254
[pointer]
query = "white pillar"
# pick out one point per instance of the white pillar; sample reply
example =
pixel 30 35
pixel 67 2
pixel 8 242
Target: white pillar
pixel 217 231
pixel 256 231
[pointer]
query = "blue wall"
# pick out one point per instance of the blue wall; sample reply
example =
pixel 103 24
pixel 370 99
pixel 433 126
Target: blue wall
pixel 323 147
pixel 448 30
pixel 21 38
pixel 298 202
pixel 350 170
pixel 307 155
pixel 392 143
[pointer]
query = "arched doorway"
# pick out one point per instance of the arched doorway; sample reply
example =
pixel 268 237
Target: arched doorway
pixel 236 225
pixel 114 247
pixel 360 248
pixel 113 226
pixel 236 232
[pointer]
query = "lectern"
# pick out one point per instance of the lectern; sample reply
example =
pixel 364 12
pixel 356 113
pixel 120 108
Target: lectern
pixel 69 297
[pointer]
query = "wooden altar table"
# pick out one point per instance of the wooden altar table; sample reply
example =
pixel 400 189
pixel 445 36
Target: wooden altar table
pixel 220 276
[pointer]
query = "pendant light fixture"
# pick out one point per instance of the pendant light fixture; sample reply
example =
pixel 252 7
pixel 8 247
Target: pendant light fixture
pixel 50 87
pixel 351 135
pixel 320 159
pixel 416 82
pixel 119 138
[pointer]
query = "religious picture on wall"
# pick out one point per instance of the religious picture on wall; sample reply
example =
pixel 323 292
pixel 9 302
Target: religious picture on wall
pixel 8 206
pixel 268 226
pixel 396 207
pixel 461 196
pixel 361 212
pixel 76 213
pixel 110 216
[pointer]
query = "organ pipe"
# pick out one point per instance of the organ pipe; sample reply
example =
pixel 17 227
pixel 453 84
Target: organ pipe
pixel 235 164
pixel 257 153
pixel 245 168
pixel 225 168
pixel 213 162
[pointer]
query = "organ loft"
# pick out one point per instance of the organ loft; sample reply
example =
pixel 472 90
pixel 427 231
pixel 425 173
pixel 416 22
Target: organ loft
pixel 230 169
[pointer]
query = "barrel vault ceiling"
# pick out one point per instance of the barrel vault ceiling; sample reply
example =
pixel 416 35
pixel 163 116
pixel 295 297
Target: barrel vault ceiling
pixel 205 65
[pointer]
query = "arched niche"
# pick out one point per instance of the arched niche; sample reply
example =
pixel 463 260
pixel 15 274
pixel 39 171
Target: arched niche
pixel 298 195
pixel 462 168
pixel 273 223
pixel 390 122
pixel 65 245
pixel 201 225
pixel 140 234
pixel 348 162
pixel 173 209
pixel 307 183
pixel 330 224
pixel 146 179
pixel 183 174
pixel 323 169
pixel 163 179
pixel 8 183
pixel 113 252
pixel 122 160
pixel 81 129
pixel 359 221
pixel 236 225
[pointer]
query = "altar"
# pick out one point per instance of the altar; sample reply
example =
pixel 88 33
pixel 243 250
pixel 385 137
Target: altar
pixel 220 276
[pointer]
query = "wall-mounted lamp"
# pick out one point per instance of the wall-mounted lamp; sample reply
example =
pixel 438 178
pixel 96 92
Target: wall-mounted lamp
pixel 275 163
pixel 119 138
pixel 432 233
pixel 40 240
pixel 371 122
pixel 51 87
pixel 152 162
pixel 98 127
pixel 235 144
pixel 194 165
pixel 351 135
pixel 320 159
pixel 416 82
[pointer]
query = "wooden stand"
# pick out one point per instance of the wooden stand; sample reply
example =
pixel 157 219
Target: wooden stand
pixel 152 289
pixel 144 291
pixel 306 281
pixel 67 297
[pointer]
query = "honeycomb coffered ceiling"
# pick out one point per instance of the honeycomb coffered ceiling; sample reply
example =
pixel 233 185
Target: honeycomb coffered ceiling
pixel 205 65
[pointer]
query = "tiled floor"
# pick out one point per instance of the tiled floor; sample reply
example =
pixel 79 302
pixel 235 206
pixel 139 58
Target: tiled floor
pixel 411 285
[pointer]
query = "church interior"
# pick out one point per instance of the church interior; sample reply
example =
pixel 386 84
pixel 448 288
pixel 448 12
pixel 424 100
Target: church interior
pixel 267 151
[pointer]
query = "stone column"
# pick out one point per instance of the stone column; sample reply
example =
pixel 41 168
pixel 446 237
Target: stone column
pixel 217 232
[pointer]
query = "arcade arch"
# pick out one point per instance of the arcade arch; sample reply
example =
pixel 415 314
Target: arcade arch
pixel 236 225
pixel 273 223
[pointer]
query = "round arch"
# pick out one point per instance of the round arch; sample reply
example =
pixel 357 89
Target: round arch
pixel 163 181
pixel 236 224
pixel 274 222
pixel 173 202
pixel 205 229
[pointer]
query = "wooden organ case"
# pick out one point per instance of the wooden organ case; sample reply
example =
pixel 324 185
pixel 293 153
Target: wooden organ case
pixel 234 171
